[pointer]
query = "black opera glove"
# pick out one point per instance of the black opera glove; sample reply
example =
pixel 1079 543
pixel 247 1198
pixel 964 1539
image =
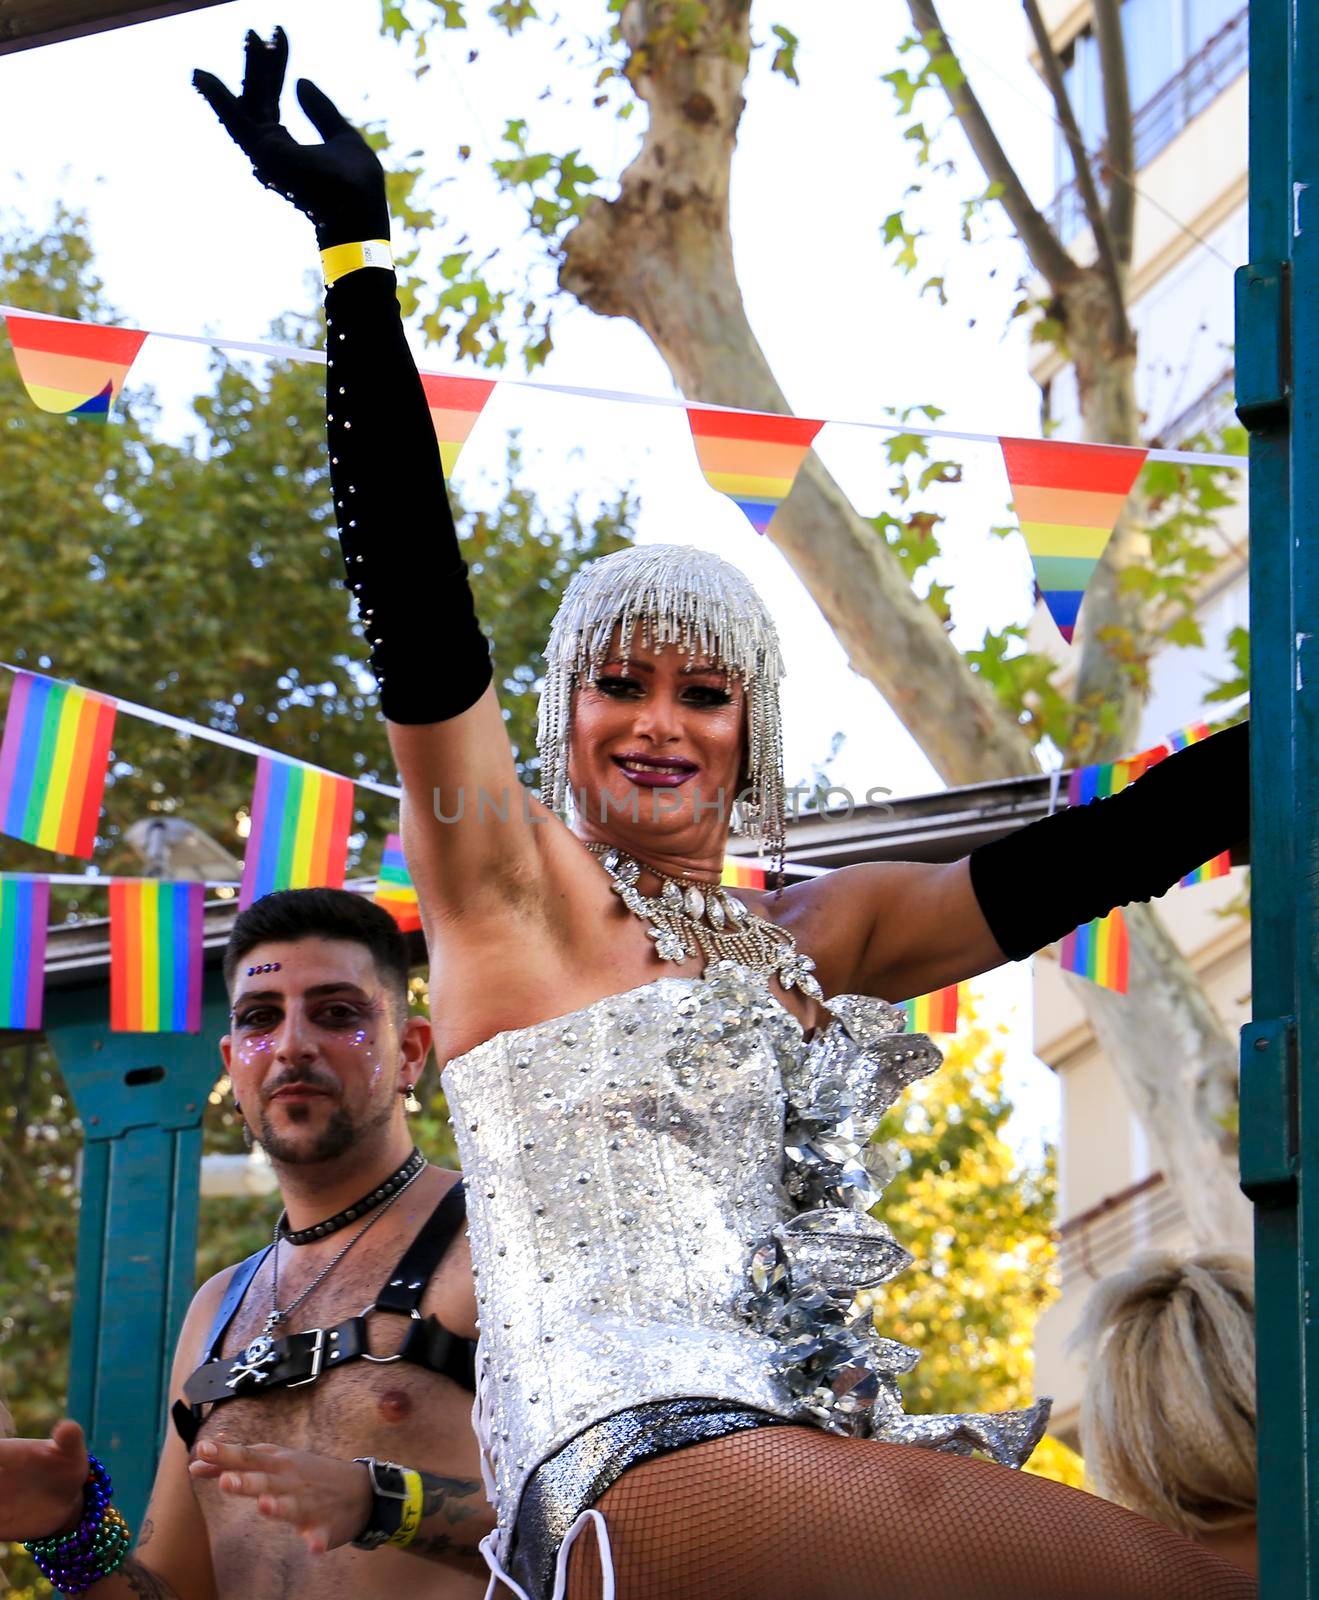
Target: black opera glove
pixel 339 184
pixel 1039 883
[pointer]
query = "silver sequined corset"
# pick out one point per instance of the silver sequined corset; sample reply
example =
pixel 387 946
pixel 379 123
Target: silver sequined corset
pixel 667 1196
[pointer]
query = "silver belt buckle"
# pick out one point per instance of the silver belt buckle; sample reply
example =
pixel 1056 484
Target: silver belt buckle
pixel 317 1357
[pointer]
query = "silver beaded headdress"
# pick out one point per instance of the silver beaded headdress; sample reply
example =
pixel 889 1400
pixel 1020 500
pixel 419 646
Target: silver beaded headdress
pixel 670 594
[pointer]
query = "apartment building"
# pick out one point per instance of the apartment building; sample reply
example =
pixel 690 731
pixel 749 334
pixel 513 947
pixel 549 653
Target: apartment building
pixel 1187 70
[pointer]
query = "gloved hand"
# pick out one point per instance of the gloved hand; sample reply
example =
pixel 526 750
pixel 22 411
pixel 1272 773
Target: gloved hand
pixel 339 184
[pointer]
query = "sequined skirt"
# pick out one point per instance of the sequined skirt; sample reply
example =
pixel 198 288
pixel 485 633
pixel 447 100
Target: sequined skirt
pixel 576 1477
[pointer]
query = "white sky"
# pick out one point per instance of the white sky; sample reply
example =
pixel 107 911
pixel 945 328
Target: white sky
pixel 187 240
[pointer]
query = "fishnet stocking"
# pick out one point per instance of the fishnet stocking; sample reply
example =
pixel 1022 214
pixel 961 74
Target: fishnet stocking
pixel 797 1514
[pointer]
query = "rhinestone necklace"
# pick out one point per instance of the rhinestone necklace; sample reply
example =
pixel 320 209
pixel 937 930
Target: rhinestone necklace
pixel 359 1208
pixel 689 919
pixel 280 1314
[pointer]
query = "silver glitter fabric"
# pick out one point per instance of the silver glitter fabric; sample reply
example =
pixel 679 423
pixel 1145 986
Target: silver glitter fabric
pixel 670 594
pixel 638 1234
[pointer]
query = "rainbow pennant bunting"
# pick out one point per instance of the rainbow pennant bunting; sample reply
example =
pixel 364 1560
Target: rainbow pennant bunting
pixel 455 404
pixel 1110 777
pixel 1192 733
pixel 740 874
pixel 1068 498
pixel 301 817
pixel 24 917
pixel 752 459
pixel 156 951
pixel 53 761
pixel 394 889
pixel 935 1012
pixel 74 368
pixel 1219 867
pixel 1099 951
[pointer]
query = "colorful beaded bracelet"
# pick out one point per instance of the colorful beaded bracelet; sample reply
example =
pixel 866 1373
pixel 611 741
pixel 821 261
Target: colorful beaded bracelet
pixel 98 1546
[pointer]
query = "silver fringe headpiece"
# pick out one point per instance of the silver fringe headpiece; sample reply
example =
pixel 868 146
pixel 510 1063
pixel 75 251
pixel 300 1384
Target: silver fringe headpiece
pixel 670 594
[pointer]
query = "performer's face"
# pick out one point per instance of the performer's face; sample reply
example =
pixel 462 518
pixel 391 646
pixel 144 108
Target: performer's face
pixel 315 1051
pixel 657 747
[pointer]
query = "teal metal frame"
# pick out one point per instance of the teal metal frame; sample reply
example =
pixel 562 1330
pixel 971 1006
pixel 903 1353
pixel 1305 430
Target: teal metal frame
pixel 1277 393
pixel 141 1098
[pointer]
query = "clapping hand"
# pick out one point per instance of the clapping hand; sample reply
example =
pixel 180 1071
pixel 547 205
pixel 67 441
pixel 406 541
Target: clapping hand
pixel 338 183
pixel 326 1500
pixel 41 1483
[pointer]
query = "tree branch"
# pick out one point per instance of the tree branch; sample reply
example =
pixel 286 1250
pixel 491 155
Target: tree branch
pixel 1085 178
pixel 1046 253
pixel 1121 128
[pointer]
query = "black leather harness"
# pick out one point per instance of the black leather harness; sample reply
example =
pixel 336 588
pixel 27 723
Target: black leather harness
pixel 298 1358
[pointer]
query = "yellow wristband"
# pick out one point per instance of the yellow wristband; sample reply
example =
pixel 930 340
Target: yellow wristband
pixel 406 1531
pixel 341 259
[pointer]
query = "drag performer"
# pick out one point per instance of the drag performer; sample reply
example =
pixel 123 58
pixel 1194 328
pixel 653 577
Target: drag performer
pixel 664 1091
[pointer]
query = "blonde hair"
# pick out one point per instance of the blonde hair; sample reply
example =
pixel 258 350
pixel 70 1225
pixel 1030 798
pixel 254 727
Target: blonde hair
pixel 1168 1414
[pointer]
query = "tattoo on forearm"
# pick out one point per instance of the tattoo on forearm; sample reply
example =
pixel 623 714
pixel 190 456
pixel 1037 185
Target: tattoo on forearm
pixel 145 1584
pixel 147 1533
pixel 452 1496
pixel 440 1547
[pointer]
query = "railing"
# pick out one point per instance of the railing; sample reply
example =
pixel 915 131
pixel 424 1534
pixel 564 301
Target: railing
pixel 1211 409
pixel 1219 61
pixel 1103 1239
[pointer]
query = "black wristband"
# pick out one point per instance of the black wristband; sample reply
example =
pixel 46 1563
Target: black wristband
pixel 1039 883
pixel 388 1494
pixel 400 546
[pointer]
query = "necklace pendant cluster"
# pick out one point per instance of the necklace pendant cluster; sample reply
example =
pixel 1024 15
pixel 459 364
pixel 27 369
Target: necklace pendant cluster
pixel 687 919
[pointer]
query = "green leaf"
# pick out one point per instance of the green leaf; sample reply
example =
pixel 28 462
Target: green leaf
pixel 785 56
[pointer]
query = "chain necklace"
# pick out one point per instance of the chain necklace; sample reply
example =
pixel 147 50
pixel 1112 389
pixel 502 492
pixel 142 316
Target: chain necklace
pixel 359 1208
pixel 688 919
pixel 278 1315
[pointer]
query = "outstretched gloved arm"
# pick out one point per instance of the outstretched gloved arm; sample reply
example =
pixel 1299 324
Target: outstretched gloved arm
pixel 396 529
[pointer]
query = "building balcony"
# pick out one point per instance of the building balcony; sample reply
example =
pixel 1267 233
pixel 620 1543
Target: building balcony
pixel 1212 69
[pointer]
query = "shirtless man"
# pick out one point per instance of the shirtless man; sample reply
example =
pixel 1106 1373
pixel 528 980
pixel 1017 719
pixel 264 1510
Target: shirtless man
pixel 321 1053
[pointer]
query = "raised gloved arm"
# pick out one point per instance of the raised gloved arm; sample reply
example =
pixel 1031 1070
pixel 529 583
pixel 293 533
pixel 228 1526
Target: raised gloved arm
pixel 396 529
pixel 1046 879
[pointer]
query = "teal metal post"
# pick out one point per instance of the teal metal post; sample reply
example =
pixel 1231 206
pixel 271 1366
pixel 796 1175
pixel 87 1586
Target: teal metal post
pixel 1278 392
pixel 141 1098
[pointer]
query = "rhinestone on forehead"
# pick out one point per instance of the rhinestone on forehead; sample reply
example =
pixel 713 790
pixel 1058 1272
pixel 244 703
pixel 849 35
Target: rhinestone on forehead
pixel 670 594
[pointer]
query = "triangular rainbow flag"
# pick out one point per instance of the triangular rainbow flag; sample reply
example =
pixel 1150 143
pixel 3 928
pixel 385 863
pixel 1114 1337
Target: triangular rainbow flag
pixel 1219 867
pixel 1099 951
pixel 455 404
pixel 1068 498
pixel 156 952
pixel 301 818
pixel 1110 777
pixel 24 918
pixel 75 368
pixel 394 888
pixel 1192 733
pixel 935 1012
pixel 738 873
pixel 752 459
pixel 53 761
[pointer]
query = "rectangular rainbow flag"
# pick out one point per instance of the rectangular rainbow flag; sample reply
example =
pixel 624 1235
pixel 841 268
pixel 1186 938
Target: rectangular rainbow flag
pixel 301 818
pixel 156 954
pixel 935 1012
pixel 24 918
pixel 455 404
pixel 53 761
pixel 74 368
pixel 754 460
pixel 1068 498
pixel 394 889
pixel 1099 951
pixel 1110 777
pixel 1219 867
pixel 738 873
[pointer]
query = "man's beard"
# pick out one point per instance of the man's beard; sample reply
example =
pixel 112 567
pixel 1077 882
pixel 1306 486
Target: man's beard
pixel 339 1134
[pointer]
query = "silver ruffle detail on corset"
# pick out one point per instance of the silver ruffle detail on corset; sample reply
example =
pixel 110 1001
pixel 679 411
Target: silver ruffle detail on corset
pixel 625 1162
pixel 806 1275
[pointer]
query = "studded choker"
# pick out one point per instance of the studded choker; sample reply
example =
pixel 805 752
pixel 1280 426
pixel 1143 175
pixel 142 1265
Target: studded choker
pixel 359 1208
